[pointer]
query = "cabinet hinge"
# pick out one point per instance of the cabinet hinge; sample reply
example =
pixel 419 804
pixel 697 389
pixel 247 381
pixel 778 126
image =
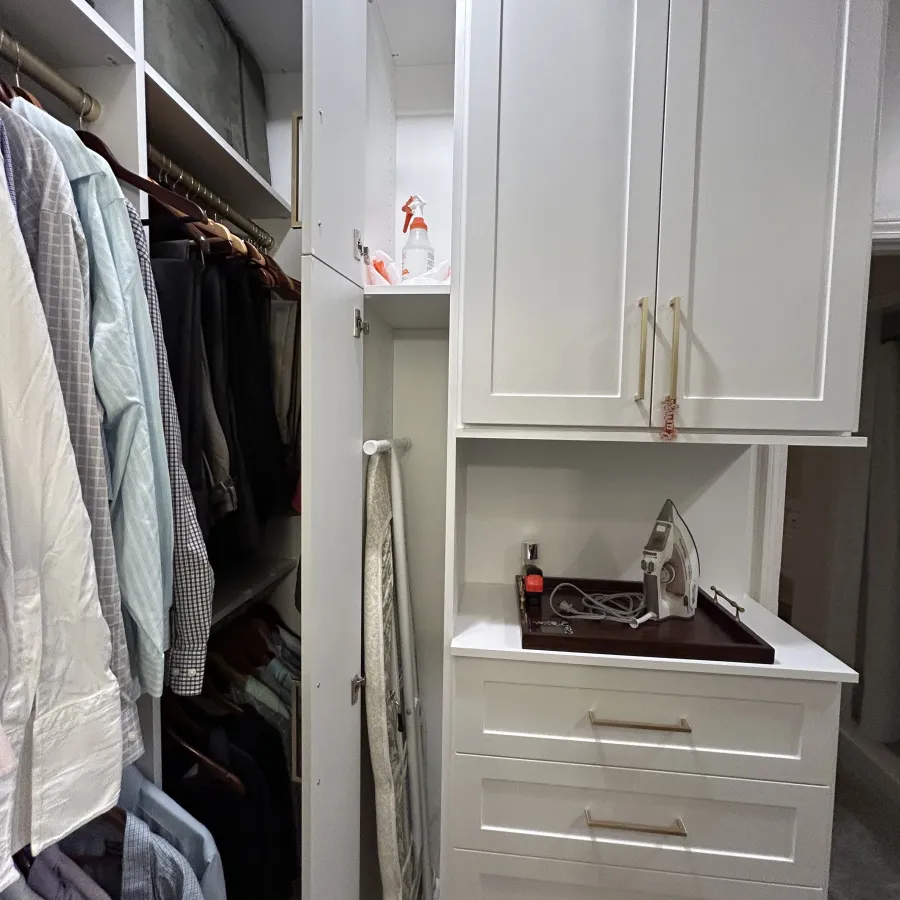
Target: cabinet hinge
pixel 357 683
pixel 360 325
pixel 357 244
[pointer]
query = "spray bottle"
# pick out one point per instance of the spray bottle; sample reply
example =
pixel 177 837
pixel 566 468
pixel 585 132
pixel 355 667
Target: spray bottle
pixel 418 254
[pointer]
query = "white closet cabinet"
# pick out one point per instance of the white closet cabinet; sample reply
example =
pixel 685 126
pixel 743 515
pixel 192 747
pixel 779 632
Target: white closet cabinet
pixel 766 211
pixel 561 207
pixel 686 150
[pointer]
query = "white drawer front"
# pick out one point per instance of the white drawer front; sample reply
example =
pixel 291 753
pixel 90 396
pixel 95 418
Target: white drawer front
pixel 735 828
pixel 471 875
pixel 743 727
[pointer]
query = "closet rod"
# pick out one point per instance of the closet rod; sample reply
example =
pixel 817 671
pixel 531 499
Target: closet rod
pixel 77 99
pixel 371 448
pixel 194 190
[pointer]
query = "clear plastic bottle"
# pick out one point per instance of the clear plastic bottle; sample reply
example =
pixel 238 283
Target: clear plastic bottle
pixel 418 254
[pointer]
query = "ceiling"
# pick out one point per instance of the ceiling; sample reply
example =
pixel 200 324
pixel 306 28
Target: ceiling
pixel 420 32
pixel 272 29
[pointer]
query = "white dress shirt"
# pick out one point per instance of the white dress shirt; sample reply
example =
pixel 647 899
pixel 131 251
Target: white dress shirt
pixel 59 701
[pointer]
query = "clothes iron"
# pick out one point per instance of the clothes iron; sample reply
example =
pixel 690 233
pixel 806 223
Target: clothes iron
pixel 671 567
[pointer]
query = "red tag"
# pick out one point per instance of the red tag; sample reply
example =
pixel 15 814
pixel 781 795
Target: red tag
pixel 534 584
pixel 669 432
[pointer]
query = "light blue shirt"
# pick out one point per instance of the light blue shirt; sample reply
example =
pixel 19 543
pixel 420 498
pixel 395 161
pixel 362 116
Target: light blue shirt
pixel 167 819
pixel 127 383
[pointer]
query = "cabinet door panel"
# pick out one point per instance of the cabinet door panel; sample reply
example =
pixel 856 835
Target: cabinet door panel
pixel 334 131
pixel 561 202
pixel 330 581
pixel 765 227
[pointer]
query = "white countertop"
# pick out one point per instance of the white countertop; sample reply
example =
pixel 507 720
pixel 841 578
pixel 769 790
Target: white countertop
pixel 487 626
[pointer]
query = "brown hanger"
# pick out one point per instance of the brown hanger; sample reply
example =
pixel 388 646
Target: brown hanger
pixel 229 779
pixel 157 191
pixel 115 817
pixel 6 93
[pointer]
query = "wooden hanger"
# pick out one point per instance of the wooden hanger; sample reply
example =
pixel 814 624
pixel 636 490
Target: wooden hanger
pixel 7 94
pixel 115 817
pixel 153 189
pixel 220 773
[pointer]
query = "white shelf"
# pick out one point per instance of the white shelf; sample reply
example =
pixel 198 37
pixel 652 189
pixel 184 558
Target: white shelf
pixel 175 128
pixel 67 34
pixel 651 436
pixel 410 306
pixel 247 582
pixel 487 627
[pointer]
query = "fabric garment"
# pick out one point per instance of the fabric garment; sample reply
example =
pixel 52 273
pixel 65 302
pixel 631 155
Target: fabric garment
pixel 216 456
pixel 177 826
pixel 54 876
pixel 127 383
pixel 58 253
pixel 178 284
pixel 284 335
pixel 278 677
pixel 138 865
pixel 240 532
pixel 262 742
pixel 253 693
pixel 7 756
pixel 242 825
pixel 19 890
pixel 401 871
pixel 194 582
pixel 60 702
pixel 250 374
pixel 154 870
pixel 8 167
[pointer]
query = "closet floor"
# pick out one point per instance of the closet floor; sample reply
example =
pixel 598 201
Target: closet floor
pixel 865 852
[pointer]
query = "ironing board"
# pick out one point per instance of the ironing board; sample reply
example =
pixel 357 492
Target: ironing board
pixel 400 868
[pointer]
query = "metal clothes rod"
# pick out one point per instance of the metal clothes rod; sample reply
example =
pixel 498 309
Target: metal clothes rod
pixel 193 189
pixel 88 109
pixel 77 99
pixel 372 448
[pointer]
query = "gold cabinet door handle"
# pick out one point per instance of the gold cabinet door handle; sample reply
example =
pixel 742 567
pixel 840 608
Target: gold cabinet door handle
pixel 681 727
pixel 676 830
pixel 296 186
pixel 675 304
pixel 642 360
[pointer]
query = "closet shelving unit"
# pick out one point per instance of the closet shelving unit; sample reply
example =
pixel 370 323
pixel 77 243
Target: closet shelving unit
pixel 246 584
pixel 179 131
pixel 411 306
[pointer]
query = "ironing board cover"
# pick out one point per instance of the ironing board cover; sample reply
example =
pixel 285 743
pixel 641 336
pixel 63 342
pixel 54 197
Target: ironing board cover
pixel 400 869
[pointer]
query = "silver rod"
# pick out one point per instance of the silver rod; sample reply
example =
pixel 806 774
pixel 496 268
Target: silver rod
pixel 205 197
pixel 78 100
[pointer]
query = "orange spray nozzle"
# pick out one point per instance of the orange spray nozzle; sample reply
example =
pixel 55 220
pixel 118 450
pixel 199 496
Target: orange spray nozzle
pixel 414 207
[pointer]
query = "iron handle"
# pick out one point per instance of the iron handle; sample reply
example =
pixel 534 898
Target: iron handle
pixel 676 830
pixel 675 304
pixel 642 360
pixel 681 727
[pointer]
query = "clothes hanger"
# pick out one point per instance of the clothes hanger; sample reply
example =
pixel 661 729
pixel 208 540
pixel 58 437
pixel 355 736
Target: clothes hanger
pixel 219 772
pixel 115 817
pixel 152 188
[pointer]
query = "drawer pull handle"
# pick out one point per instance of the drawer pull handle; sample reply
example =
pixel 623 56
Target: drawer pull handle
pixel 642 360
pixel 676 830
pixel 681 727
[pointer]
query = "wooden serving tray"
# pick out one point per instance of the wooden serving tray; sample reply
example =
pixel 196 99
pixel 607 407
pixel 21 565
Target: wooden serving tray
pixel 714 633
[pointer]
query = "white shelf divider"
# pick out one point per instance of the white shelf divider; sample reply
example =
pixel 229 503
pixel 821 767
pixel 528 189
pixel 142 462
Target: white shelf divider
pixel 424 306
pixel 175 128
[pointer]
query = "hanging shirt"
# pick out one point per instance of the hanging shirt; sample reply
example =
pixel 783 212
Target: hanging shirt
pixel 60 703
pixel 8 167
pixel 127 383
pixel 167 819
pixel 194 582
pixel 56 247
pixel 138 865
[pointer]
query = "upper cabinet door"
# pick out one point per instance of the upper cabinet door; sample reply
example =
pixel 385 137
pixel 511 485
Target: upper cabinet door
pixel 766 213
pixel 562 121
pixel 334 132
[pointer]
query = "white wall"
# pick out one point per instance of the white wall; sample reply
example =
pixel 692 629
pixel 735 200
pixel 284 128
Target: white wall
pixel 592 507
pixel 420 413
pixel 425 167
pixel 284 98
pixel 425 90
